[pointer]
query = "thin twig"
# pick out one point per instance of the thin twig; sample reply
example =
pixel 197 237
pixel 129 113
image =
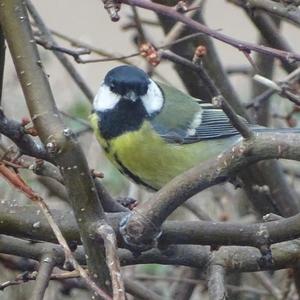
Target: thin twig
pixel 26 276
pixel 238 122
pixel 21 278
pixel 270 33
pixel 46 34
pixel 171 56
pixel 268 285
pixel 76 53
pixel 264 96
pixel 279 88
pixel 138 26
pixel 18 183
pixel 92 48
pixel 217 98
pixel 274 87
pixel 106 233
pixel 110 57
pixel 251 61
pixel 238 44
pixel 179 27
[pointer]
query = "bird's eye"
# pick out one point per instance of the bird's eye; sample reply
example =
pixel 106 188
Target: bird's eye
pixel 112 86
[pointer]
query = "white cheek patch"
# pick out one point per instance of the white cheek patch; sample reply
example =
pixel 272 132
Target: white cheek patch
pixel 195 123
pixel 153 100
pixel 105 99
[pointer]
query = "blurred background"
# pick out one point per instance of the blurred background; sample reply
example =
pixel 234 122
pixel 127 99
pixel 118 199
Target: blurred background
pixel 88 22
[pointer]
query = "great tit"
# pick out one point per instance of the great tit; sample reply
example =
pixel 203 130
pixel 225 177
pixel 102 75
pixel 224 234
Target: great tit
pixel 153 132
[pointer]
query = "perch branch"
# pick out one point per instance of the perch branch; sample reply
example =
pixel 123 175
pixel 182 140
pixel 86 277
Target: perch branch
pixel 148 217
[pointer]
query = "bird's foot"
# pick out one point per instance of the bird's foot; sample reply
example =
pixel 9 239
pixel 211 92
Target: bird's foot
pixel 139 233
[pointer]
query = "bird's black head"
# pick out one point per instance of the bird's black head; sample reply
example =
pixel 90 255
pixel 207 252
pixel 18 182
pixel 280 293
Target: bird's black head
pixel 127 81
pixel 125 99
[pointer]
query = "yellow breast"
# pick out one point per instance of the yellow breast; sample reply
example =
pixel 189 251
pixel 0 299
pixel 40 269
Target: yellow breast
pixel 149 160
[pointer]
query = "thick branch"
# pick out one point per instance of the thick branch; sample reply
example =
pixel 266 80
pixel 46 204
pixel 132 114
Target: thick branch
pixel 27 222
pixel 216 283
pixel 60 143
pixel 242 259
pixel 47 264
pixel 145 222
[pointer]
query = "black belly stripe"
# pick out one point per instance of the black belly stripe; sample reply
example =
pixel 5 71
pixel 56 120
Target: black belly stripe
pixel 135 178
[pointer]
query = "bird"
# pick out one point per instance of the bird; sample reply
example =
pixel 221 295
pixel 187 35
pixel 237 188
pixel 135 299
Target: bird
pixel 153 132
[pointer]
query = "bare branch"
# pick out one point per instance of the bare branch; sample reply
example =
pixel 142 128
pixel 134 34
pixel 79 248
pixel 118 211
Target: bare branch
pixel 17 182
pixel 148 217
pixel 60 141
pixel 288 12
pixel 42 168
pixel 106 233
pixel 60 56
pixel 268 284
pixel 239 123
pixel 16 132
pixel 92 48
pixel 47 264
pixel 269 31
pixel 280 89
pixel 242 259
pixel 2 61
pixel 76 53
pixel 178 28
pixel 216 283
pixel 238 44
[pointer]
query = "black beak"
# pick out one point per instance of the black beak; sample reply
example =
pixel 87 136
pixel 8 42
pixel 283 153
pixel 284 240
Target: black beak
pixel 131 96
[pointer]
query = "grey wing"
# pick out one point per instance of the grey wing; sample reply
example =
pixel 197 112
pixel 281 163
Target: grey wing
pixel 207 123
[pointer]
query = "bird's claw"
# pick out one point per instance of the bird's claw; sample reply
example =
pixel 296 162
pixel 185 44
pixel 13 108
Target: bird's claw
pixel 138 233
